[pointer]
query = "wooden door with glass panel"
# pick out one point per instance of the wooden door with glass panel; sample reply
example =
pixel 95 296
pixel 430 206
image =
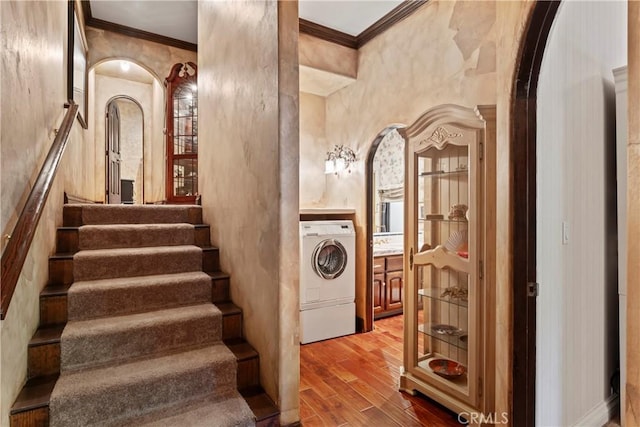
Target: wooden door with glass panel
pixel 182 134
pixel 446 342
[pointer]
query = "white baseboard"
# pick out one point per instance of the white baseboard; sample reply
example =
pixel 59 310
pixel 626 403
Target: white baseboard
pixel 601 413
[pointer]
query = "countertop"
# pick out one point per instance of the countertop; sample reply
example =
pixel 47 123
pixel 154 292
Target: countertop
pixel 387 251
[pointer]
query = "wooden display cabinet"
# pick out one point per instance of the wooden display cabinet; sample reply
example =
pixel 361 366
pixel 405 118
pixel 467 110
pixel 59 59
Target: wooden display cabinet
pixel 182 133
pixel 449 284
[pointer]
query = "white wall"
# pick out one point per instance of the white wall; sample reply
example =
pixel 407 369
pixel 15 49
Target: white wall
pixel 577 307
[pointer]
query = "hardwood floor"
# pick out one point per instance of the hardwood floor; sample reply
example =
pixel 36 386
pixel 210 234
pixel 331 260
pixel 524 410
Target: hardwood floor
pixel 354 381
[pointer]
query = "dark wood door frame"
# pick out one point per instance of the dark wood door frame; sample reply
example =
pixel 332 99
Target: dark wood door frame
pixel 367 322
pixel 523 209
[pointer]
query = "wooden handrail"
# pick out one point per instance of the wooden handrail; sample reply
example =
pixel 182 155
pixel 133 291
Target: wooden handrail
pixel 20 240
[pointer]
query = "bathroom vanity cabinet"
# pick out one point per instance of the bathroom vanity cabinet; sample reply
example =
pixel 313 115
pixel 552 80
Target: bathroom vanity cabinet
pixel 449 303
pixel 388 285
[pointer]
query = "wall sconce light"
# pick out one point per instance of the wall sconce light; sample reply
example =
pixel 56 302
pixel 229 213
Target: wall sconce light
pixel 339 159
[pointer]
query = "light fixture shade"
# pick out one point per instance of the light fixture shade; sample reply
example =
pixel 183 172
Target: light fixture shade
pixel 339 159
pixel 329 166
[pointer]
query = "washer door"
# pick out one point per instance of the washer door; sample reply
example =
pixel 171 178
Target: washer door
pixel 329 259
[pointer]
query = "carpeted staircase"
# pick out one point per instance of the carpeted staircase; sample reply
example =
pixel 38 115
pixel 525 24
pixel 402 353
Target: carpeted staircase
pixel 130 326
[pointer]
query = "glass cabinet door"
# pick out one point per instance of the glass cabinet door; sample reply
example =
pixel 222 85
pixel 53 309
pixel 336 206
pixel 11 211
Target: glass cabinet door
pixel 444 348
pixel 182 134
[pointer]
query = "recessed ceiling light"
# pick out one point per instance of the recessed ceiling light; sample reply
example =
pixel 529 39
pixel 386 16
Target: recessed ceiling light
pixel 124 66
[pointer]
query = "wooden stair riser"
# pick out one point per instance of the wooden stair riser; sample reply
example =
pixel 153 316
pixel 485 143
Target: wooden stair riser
pixel 67 240
pixel 248 373
pixel 210 259
pixel 43 360
pixel 38 417
pixel 61 270
pixel 53 310
pixel 72 216
pixel 231 325
pixel 202 235
pixel 220 290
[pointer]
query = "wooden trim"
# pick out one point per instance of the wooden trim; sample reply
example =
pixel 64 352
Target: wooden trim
pixel 400 12
pixel 71 199
pixel 16 251
pixel 523 210
pixel 328 34
pixel 133 32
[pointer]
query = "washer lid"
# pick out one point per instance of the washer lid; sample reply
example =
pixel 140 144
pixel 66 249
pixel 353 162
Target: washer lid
pixel 329 259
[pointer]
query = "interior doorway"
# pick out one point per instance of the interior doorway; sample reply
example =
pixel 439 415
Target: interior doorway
pixel 124 150
pixel 385 226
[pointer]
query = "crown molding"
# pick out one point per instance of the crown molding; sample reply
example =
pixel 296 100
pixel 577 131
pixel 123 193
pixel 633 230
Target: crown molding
pixel 133 32
pixel 396 15
pixel 328 34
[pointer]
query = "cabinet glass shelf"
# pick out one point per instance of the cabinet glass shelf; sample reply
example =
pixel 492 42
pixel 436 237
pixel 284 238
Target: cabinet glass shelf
pixel 443 174
pixel 436 294
pixel 444 219
pixel 458 340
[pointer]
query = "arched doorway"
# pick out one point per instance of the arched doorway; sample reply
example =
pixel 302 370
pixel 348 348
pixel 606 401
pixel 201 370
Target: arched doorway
pixel 372 212
pixel 523 213
pixel 124 150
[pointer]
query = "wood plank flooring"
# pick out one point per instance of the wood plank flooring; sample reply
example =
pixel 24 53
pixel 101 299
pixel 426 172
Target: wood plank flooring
pixel 354 380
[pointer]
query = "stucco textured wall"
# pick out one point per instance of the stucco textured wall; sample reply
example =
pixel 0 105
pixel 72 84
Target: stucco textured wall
pixel 248 161
pixel 34 45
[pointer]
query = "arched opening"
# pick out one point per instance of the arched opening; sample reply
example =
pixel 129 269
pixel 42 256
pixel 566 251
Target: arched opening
pixel 377 220
pixel 125 116
pixel 523 211
pixel 129 81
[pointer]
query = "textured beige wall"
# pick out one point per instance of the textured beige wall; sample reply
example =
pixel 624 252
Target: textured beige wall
pixel 156 58
pixel 323 55
pixel 313 151
pixel 443 53
pixel 131 143
pixel 631 407
pixel 248 164
pixel 33 94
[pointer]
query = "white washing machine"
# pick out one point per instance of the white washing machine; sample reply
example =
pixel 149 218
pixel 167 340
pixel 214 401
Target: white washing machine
pixel 327 280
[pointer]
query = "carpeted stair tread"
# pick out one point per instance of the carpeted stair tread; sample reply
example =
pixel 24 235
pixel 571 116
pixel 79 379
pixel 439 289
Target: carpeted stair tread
pixel 227 411
pixel 134 214
pixel 132 262
pixel 134 235
pixel 109 396
pixel 87 343
pixel 112 297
